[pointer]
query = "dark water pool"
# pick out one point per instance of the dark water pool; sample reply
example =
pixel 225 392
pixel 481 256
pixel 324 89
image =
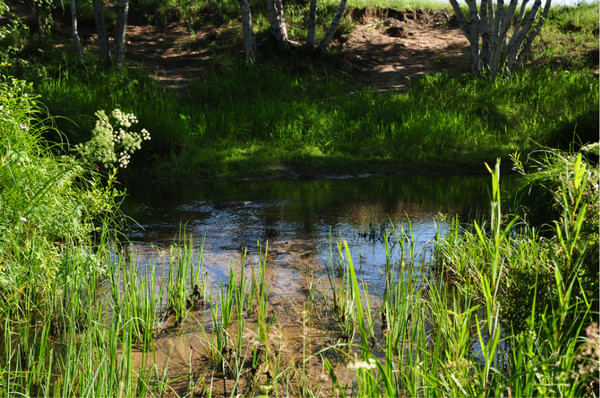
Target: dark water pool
pixel 301 220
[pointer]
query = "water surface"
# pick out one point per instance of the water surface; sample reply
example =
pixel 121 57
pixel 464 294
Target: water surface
pixel 301 221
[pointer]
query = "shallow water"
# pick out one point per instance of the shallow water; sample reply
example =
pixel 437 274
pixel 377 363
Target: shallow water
pixel 302 221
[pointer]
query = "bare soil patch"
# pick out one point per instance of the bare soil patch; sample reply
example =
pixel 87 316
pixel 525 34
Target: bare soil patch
pixel 174 55
pixel 388 49
pixel 391 49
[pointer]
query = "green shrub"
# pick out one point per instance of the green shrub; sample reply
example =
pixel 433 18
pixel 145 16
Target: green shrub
pixel 49 205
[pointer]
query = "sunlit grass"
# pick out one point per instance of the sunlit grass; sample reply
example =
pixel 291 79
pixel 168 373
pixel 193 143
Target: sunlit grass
pixel 401 4
pixel 246 122
pixel 569 37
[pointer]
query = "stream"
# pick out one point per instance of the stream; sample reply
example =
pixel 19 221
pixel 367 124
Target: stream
pixel 301 221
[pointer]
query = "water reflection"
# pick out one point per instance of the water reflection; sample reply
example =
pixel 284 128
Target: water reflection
pixel 300 220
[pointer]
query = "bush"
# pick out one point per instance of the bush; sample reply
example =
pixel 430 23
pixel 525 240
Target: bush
pixel 50 206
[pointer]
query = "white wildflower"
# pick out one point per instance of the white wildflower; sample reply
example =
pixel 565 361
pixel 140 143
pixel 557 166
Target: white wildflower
pixel 113 146
pixel 120 136
pixel 368 365
pixel 124 119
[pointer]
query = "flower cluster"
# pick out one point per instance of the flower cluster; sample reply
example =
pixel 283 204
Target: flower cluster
pixel 124 119
pixel 112 143
pixel 369 364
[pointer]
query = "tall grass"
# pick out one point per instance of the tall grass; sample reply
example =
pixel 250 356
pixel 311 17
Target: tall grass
pixel 243 122
pixel 57 222
pixel 467 344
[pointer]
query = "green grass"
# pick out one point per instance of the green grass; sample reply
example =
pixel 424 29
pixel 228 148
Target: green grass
pixel 569 38
pixel 467 297
pixel 57 218
pixel 244 122
pixel 401 4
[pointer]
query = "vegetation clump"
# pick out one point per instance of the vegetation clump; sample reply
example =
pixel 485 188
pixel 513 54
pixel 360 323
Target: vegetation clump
pixel 539 290
pixel 50 204
pixel 112 144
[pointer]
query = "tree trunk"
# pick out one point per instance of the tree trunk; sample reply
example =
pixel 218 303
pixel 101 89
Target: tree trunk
pixel 120 33
pixel 516 47
pixel 486 22
pixel 249 41
pixel 474 37
pixel 532 35
pixel 103 48
pixel 312 25
pixel 76 40
pixel 277 21
pixel 333 27
pixel 487 31
pixel 474 42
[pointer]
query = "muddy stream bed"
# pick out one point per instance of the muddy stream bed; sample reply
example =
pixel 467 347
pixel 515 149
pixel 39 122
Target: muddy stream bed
pixel 301 223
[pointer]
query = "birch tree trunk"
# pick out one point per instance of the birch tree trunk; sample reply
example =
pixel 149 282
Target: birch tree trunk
pixel 103 48
pixel 249 40
pixel 334 25
pixel 474 36
pixel 120 33
pixel 487 29
pixel 520 42
pixel 76 40
pixel 312 25
pixel 276 20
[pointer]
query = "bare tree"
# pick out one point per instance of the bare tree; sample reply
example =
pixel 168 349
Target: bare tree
pixel 119 51
pixel 76 40
pixel 249 40
pixel 498 46
pixel 103 48
pixel 277 21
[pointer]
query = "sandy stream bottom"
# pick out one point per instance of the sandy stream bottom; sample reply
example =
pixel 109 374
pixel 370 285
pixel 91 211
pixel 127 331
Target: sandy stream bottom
pixel 299 331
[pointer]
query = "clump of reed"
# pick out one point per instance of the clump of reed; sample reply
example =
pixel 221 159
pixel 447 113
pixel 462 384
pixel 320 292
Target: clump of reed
pixel 454 332
pixel 64 332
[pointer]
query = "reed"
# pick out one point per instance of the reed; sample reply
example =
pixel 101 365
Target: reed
pixel 141 303
pixel 263 359
pixel 241 351
pixel 180 262
pixel 343 295
pixel 221 345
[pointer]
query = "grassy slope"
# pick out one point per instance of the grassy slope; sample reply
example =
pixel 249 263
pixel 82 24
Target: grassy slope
pixel 294 117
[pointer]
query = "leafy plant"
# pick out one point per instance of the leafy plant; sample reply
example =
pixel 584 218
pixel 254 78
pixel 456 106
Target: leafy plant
pixel 112 142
